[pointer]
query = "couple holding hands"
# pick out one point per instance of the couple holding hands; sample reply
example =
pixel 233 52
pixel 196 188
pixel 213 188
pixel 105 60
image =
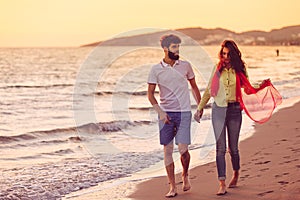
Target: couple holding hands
pixel 232 93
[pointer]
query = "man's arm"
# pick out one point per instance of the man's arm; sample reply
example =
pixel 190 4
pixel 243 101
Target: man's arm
pixel 195 90
pixel 151 97
pixel 197 96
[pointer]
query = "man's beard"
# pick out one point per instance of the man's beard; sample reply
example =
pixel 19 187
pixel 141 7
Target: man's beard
pixel 173 56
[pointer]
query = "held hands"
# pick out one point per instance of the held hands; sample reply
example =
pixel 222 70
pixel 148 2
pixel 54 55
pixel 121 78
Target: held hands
pixel 198 114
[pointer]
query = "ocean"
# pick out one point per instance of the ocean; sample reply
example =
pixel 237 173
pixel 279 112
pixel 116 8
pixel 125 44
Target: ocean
pixel 75 117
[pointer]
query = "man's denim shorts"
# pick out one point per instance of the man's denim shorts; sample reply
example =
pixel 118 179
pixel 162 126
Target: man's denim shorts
pixel 179 127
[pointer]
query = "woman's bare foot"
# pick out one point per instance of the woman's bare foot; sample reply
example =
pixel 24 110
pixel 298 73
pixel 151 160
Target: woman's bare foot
pixel 171 193
pixel 222 189
pixel 186 185
pixel 234 180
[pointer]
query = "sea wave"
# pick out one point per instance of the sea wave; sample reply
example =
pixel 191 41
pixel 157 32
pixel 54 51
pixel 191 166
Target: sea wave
pixel 37 86
pixel 135 93
pixel 193 107
pixel 106 127
pixel 131 93
pixel 9 139
pixel 91 128
pixel 285 82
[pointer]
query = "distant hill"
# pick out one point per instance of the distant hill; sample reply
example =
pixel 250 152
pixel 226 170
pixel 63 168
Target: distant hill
pixel 284 36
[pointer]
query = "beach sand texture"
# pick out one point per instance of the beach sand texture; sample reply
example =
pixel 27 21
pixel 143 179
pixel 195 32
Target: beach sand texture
pixel 269 166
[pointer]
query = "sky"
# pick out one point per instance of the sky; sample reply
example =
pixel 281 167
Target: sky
pixel 59 23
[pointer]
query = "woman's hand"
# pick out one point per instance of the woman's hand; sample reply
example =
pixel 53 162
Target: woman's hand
pixel 198 114
pixel 265 83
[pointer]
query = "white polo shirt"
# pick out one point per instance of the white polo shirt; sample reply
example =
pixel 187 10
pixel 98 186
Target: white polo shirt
pixel 173 85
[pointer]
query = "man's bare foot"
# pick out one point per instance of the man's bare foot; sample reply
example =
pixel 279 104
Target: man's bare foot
pixel 171 193
pixel 234 180
pixel 186 185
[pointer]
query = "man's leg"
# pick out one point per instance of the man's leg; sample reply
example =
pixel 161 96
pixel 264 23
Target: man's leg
pixel 183 139
pixel 185 161
pixel 169 164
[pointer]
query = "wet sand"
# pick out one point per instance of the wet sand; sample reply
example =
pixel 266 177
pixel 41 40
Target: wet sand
pixel 270 166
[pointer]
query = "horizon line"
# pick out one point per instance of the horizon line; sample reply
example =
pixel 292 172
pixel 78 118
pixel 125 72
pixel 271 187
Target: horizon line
pixel 195 27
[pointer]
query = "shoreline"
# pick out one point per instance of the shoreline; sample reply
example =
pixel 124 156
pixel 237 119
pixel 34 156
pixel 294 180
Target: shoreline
pixel 141 188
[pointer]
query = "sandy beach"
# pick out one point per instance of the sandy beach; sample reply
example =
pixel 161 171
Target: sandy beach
pixel 269 169
pixel 269 166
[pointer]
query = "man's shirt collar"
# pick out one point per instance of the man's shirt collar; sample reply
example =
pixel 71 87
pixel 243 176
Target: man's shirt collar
pixel 166 64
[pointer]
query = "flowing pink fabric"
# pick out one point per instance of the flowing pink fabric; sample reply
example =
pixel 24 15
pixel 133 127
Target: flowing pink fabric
pixel 215 80
pixel 258 103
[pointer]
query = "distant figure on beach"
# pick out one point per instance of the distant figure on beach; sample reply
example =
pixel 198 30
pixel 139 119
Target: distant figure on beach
pixel 227 79
pixel 172 77
pixel 277 52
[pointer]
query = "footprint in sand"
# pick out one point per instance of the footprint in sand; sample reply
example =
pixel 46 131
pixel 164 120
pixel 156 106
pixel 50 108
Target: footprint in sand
pixel 264 193
pixel 283 182
pixel 267 154
pixel 245 176
pixel 193 177
pixel 294 150
pixel 280 175
pixel 263 170
pixel 262 163
pixel 288 161
pixel 190 177
pixel 255 159
pixel 257 153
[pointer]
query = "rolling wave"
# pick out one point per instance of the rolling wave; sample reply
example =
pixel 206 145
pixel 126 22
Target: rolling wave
pixel 91 128
pixel 37 86
pixel 135 93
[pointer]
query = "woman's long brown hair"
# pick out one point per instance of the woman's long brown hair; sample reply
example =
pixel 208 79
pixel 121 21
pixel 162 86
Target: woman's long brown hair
pixel 235 56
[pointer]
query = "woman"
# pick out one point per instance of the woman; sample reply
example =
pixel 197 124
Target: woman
pixel 228 77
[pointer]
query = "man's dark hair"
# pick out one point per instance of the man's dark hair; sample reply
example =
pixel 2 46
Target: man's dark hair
pixel 166 40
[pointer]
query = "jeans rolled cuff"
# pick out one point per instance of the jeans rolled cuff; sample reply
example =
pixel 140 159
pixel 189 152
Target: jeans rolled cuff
pixel 222 178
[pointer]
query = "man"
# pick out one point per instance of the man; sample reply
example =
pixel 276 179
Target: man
pixel 172 76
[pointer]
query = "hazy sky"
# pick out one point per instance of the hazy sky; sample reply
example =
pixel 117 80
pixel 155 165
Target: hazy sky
pixel 77 22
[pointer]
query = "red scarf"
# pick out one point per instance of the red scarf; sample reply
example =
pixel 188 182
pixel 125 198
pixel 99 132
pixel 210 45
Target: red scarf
pixel 258 103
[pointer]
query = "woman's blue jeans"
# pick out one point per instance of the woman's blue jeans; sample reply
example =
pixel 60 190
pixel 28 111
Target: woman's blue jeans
pixel 227 120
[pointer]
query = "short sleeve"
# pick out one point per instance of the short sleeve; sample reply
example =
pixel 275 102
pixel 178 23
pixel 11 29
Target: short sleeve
pixel 152 78
pixel 190 72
